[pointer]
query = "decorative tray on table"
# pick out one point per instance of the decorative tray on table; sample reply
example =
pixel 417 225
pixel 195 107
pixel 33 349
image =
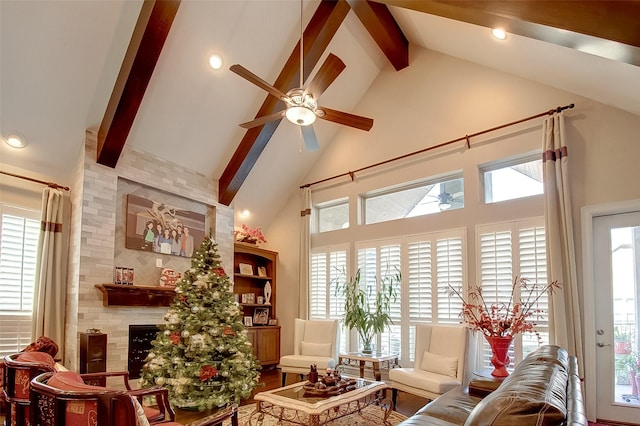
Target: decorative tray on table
pixel 328 386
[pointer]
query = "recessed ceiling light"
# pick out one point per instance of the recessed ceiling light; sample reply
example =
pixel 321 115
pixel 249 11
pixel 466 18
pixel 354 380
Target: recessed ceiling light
pixel 215 61
pixel 15 141
pixel 499 33
pixel 245 213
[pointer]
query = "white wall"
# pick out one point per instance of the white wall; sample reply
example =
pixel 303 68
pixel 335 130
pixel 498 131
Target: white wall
pixel 440 98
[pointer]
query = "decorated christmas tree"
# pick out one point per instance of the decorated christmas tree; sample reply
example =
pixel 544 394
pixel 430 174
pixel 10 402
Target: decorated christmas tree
pixel 202 354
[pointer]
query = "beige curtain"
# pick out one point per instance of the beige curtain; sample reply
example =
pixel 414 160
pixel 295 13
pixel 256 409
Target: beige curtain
pixel 565 322
pixel 51 276
pixel 305 249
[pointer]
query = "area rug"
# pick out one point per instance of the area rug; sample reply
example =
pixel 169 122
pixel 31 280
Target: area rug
pixel 370 416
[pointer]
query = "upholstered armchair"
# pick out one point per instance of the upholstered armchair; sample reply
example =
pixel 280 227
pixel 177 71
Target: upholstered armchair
pixel 314 342
pixel 63 399
pixel 443 356
pixel 19 369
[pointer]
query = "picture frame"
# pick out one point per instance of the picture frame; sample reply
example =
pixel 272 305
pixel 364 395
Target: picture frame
pixel 245 269
pixel 273 321
pixel 248 298
pixel 262 271
pixel 260 300
pixel 161 228
pixel 261 316
pixel 248 321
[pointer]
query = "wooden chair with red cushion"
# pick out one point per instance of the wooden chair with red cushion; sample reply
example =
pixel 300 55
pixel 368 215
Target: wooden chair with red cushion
pixel 159 411
pixel 63 399
pixel 43 344
pixel 19 369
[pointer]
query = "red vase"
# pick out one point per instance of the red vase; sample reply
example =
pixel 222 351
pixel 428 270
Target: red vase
pixel 500 358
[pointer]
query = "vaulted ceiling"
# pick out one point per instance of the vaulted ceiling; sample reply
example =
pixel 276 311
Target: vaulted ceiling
pixel 137 70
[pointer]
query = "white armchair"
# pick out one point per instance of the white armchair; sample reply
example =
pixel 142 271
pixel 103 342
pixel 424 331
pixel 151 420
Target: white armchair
pixel 443 358
pixel 314 342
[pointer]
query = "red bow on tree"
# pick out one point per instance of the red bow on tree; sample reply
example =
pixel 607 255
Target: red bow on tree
pixel 208 372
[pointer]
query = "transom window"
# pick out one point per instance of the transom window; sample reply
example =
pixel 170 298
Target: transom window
pixel 418 199
pixel 508 181
pixel 332 215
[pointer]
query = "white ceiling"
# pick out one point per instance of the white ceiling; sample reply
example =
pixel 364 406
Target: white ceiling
pixel 59 60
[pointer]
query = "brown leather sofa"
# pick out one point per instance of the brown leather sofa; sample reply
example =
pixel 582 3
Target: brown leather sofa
pixel 544 389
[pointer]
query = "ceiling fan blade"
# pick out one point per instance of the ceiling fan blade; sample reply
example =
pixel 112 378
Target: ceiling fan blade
pixel 248 75
pixel 310 139
pixel 262 120
pixel 328 72
pixel 351 120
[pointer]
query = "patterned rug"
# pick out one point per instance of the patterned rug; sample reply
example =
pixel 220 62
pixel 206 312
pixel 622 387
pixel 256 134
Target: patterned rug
pixel 370 416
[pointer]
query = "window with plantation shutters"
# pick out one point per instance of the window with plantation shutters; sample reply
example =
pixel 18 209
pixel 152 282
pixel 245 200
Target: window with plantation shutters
pixel 19 232
pixel 506 251
pixel 449 260
pixel 327 270
pixel 377 261
pixel 420 280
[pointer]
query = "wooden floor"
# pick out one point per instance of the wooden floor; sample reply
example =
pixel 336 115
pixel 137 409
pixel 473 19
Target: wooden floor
pixel 407 404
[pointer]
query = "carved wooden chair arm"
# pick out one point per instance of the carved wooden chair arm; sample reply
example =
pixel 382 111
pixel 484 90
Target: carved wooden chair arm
pixel 100 379
pixel 161 396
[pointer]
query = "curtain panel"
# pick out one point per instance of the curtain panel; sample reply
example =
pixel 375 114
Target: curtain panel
pixel 564 307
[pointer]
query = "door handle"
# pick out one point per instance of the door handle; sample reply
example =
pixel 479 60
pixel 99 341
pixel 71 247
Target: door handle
pixel 602 345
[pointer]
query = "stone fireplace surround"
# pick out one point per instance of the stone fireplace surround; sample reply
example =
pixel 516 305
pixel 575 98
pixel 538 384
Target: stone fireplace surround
pixel 96 196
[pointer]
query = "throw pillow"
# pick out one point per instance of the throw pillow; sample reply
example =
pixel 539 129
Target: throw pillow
pixel 447 366
pixel 315 349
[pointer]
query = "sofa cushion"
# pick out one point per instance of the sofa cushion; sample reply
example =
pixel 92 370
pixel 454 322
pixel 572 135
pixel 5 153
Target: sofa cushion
pixel 315 349
pixel 452 408
pixel 447 366
pixel 425 380
pixel 535 394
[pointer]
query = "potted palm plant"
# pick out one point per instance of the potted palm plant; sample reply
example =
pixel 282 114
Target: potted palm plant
pixel 366 307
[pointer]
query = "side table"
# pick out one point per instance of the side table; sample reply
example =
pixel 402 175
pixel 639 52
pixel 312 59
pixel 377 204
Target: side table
pixel 483 383
pixel 372 360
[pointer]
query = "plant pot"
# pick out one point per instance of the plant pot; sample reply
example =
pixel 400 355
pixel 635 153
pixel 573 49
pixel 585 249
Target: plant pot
pixel 367 348
pixel 500 350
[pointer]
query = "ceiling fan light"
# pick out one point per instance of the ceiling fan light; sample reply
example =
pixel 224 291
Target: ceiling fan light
pixel 300 115
pixel 445 205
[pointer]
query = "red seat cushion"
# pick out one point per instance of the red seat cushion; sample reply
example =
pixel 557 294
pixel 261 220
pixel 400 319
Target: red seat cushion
pixel 23 376
pixel 80 412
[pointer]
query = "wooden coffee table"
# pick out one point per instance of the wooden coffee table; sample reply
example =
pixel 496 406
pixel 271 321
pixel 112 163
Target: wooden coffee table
pixel 289 404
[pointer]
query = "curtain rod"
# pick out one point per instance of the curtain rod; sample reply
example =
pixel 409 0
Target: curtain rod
pixel 466 138
pixel 49 184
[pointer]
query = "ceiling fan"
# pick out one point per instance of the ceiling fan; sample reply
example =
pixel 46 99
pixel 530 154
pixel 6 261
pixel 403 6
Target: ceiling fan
pixel 445 199
pixel 301 103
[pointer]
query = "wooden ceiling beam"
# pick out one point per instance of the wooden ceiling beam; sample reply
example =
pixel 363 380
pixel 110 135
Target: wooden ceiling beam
pixel 321 28
pixel 607 28
pixel 147 41
pixel 384 30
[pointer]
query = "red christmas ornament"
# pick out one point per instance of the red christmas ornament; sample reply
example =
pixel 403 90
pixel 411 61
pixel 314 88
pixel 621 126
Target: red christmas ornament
pixel 207 372
pixel 228 331
pixel 175 338
pixel 219 271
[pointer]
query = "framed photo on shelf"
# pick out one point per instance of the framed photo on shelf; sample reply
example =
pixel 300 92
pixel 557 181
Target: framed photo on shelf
pixel 246 269
pixel 249 298
pixel 273 321
pixel 248 321
pixel 261 316
pixel 262 271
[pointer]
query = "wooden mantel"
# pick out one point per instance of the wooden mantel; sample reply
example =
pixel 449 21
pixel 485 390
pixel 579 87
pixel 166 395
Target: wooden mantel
pixel 135 295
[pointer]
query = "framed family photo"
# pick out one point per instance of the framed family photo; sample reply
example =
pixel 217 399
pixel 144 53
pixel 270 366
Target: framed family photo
pixel 262 271
pixel 245 269
pixel 261 316
pixel 162 228
pixel 248 321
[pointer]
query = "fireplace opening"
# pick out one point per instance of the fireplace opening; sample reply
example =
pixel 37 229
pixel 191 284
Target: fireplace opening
pixel 140 338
